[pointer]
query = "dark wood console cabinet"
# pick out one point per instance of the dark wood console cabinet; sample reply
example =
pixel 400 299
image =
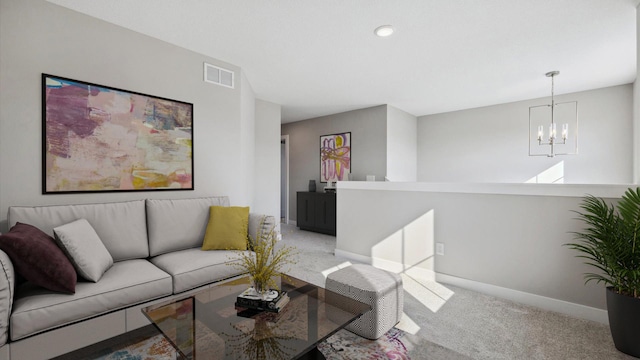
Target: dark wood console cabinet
pixel 316 211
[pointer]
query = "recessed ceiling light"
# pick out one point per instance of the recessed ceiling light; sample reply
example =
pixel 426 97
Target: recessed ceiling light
pixel 384 30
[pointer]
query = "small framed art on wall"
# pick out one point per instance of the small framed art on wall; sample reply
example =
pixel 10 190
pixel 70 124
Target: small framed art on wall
pixel 335 157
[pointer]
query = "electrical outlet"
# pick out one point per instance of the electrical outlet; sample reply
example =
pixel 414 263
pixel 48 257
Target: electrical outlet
pixel 440 249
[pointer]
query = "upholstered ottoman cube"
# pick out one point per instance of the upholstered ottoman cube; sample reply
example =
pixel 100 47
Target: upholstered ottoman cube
pixel 379 288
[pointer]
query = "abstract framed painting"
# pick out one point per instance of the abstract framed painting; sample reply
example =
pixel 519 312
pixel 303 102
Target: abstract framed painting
pixel 103 139
pixel 335 157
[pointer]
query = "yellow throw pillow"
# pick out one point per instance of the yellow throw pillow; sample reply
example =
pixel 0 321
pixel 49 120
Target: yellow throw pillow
pixel 227 228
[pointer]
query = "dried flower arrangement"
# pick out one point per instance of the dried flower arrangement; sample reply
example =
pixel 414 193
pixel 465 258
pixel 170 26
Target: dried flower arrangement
pixel 267 261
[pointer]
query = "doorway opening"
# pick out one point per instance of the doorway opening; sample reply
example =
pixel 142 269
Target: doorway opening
pixel 284 179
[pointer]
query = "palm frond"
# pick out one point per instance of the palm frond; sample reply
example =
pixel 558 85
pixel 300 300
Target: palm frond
pixel 609 241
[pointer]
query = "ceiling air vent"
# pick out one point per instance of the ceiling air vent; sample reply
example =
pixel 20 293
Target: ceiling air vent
pixel 218 75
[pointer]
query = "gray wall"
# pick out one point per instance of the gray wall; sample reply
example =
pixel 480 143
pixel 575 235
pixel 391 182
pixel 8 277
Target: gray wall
pixel 247 141
pixel 402 145
pixel 38 37
pixel 283 182
pixel 368 129
pixel 267 159
pixel 489 144
pixel 636 107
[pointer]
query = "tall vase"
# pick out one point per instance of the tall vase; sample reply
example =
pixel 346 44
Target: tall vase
pixel 261 288
pixel 312 186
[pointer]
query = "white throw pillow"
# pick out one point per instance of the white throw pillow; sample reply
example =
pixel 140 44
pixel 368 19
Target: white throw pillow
pixel 85 250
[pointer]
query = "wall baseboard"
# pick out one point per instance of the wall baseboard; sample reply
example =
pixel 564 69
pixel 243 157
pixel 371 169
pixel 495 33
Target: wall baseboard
pixel 352 256
pixel 542 302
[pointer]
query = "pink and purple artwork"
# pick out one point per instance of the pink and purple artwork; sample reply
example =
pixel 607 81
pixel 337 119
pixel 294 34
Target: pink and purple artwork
pixel 97 139
pixel 335 157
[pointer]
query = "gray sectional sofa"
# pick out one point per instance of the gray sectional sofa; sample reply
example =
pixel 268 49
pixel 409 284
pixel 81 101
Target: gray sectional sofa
pixel 155 245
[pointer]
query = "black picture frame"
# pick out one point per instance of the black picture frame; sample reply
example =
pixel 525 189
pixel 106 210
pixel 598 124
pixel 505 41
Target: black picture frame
pixel 98 138
pixel 335 156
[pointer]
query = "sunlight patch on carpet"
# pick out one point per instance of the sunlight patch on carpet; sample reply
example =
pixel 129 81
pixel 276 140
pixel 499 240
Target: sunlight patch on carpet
pixel 407 325
pixel 431 294
pixel 328 271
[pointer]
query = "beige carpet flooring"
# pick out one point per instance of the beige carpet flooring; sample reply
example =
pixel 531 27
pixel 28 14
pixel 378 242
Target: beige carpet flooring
pixel 447 322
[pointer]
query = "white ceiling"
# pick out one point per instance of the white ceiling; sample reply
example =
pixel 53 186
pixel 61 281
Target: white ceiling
pixel 320 57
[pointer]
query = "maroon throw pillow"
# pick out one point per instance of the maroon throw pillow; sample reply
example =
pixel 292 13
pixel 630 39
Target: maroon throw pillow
pixel 38 259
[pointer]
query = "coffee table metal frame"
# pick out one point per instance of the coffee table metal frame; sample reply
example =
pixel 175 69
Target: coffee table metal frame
pixel 208 325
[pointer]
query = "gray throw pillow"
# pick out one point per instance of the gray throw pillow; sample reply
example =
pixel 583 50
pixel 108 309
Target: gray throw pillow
pixel 84 249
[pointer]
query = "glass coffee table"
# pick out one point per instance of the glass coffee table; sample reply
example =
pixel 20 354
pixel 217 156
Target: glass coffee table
pixel 208 325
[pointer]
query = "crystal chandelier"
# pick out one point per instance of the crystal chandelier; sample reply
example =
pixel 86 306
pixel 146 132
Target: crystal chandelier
pixel 544 138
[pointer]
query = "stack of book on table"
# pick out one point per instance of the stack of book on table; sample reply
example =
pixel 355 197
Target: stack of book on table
pixel 273 300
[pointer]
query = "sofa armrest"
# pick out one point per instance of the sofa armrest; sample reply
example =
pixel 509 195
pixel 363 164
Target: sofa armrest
pixel 260 223
pixel 7 286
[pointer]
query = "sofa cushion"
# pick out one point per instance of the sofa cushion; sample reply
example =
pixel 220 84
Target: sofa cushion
pixel 7 285
pixel 179 224
pixel 38 259
pixel 84 248
pixel 121 226
pixel 227 228
pixel 126 283
pixel 195 267
pixel 259 224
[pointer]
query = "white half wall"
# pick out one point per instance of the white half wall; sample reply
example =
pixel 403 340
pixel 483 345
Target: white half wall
pixel 508 236
pixel 489 144
pixel 402 145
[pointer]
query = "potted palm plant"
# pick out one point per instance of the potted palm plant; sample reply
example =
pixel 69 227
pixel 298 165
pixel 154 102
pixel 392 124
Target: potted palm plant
pixel 610 242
